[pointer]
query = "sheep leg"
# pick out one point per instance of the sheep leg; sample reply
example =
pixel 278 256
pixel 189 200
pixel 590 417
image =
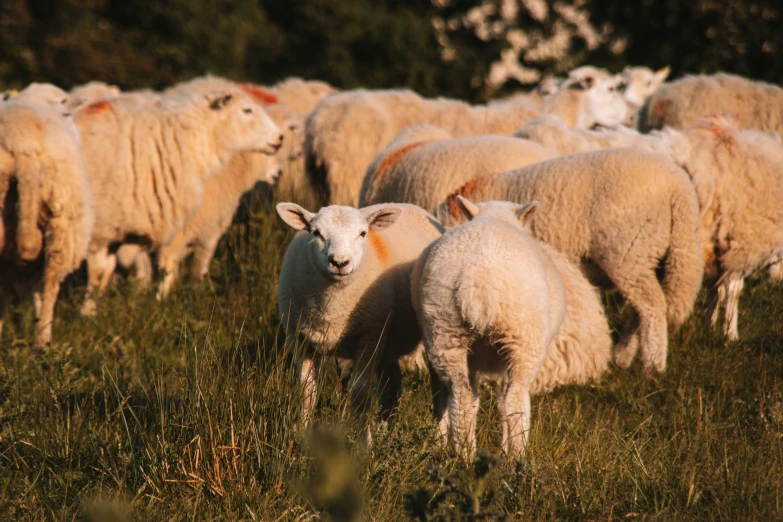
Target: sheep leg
pixel 524 356
pixel 46 298
pixel 308 380
pixel 776 267
pixel 202 257
pixel 170 266
pixel 100 267
pixel 29 239
pixel 440 403
pixel 389 390
pixel 142 269
pixel 627 347
pixel 719 303
pixel 733 290
pixel 645 294
pixel 359 387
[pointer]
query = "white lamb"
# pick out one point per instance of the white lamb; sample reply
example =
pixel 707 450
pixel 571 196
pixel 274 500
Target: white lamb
pixel 41 153
pixel 347 130
pixel 490 303
pixel 639 83
pixel 622 212
pixel 345 289
pixel 202 232
pixel 148 166
pixel 422 165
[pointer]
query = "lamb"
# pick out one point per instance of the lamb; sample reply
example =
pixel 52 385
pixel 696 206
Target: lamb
pixel 639 83
pixel 347 130
pixel 490 302
pixel 622 212
pixel 681 104
pixel 422 165
pixel 344 289
pixel 45 95
pixel 148 166
pixel 203 231
pixel 41 152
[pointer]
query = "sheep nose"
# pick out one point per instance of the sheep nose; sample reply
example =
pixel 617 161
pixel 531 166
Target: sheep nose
pixel 337 263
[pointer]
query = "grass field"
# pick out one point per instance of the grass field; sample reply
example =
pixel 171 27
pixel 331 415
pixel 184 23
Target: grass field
pixel 187 411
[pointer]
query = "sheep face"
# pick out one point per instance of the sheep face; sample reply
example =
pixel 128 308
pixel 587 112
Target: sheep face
pixel 45 95
pixel 639 83
pixel 603 103
pixel 338 234
pixel 243 125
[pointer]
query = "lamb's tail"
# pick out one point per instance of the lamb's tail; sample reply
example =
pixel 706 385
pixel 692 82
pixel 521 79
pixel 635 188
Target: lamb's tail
pixel 684 267
pixel 29 239
pixel 479 308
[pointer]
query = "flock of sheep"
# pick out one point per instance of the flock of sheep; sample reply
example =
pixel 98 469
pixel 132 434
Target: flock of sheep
pixel 472 239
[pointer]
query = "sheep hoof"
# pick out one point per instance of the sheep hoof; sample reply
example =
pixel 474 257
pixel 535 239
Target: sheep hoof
pixel 89 308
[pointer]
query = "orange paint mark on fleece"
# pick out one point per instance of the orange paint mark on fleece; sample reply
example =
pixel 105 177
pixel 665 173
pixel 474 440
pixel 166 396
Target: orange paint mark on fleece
pixel 661 107
pixel 259 94
pixel 380 247
pixel 389 161
pixel 723 126
pixel 466 191
pixel 97 107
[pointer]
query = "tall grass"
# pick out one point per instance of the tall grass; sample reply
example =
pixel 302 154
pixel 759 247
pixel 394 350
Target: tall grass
pixel 187 410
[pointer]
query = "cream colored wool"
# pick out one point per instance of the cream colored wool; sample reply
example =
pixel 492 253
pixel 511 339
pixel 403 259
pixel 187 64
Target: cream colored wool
pixel 681 104
pixel 344 289
pixel 148 166
pixel 422 165
pixel 202 232
pixel 621 211
pixel 490 302
pixel 346 130
pixel 94 90
pixel 41 152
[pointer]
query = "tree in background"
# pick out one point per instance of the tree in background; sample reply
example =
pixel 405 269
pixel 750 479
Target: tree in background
pixel 469 49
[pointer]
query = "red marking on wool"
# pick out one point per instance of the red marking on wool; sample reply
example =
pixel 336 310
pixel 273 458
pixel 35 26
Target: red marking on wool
pixel 389 161
pixel 97 107
pixel 378 244
pixel 466 190
pixel 259 94
pixel 661 107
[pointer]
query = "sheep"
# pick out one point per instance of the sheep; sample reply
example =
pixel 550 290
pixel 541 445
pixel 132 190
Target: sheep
pixel 422 165
pixel 490 302
pixel 45 95
pixel 345 132
pixel 742 223
pixel 620 211
pixel 344 289
pixel 639 83
pixel 301 95
pixel 202 232
pixel 680 104
pixel 148 166
pixel 42 153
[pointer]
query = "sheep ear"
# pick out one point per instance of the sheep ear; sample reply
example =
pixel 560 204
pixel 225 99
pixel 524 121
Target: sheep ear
pixel 662 74
pixel 219 100
pixel 467 207
pixel 383 218
pixel 526 212
pixel 584 83
pixel 295 215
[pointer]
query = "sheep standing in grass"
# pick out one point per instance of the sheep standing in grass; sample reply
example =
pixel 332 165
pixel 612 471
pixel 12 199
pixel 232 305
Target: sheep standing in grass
pixel 681 104
pixel 202 232
pixel 347 130
pixel 148 165
pixel 490 302
pixel 422 165
pixel 345 290
pixel 623 212
pixel 44 184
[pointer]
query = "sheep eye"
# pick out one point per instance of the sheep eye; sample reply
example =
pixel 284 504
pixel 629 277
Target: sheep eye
pixel 363 234
pixel 316 233
pixel 247 110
